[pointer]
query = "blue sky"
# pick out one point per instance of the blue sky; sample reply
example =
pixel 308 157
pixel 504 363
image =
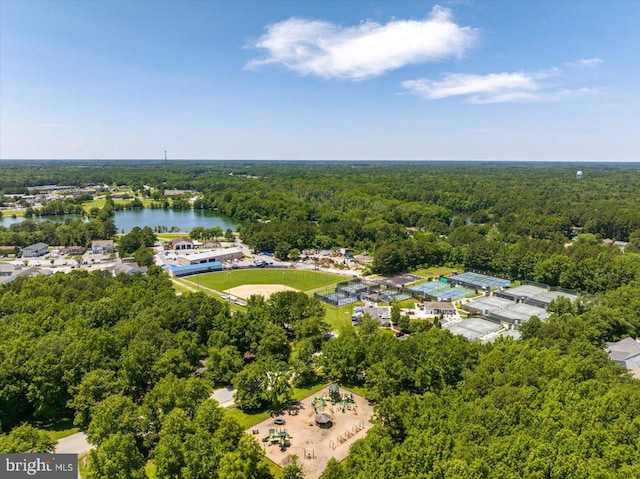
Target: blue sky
pixel 335 80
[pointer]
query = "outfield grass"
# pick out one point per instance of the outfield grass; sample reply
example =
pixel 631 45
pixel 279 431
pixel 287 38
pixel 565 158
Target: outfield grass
pixel 296 279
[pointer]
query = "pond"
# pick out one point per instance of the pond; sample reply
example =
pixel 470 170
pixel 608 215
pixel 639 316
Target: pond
pixel 185 220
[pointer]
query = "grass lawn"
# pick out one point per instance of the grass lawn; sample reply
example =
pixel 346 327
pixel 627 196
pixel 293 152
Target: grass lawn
pixel 436 271
pixel 246 419
pixel 183 286
pixel 297 279
pixel 249 419
pixel 407 303
pixel 339 318
pixel 99 203
pixel 10 213
pixel 170 236
pixel 60 429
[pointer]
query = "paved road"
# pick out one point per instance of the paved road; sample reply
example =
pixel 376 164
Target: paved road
pixel 224 396
pixel 74 444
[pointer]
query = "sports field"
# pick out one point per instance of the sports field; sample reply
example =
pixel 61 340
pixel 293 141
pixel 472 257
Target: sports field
pixel 295 279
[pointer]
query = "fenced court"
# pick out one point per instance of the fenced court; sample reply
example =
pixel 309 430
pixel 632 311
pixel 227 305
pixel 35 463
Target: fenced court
pixel 479 281
pixel 390 296
pixel 346 292
pixel 440 291
pixel 454 294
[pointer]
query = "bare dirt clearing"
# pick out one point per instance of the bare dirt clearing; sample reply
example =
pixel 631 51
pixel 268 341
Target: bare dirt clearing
pixel 266 290
pixel 315 445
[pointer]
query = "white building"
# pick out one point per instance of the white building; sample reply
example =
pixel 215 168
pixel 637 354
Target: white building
pixel 224 254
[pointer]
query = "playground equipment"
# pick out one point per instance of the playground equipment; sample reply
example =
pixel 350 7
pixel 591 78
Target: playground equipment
pixel 346 435
pixel 345 402
pixel 278 437
pixel 309 453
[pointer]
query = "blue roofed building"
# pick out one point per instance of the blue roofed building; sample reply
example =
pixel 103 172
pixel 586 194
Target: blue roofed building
pixel 185 270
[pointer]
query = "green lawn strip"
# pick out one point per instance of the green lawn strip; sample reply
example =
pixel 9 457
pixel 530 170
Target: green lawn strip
pixel 340 317
pixel 10 213
pixel 99 203
pixel 183 286
pixel 296 279
pixel 407 303
pixel 436 271
pixel 170 236
pixel 360 390
pixel 300 393
pixel 59 429
pixel 275 470
pixel 247 419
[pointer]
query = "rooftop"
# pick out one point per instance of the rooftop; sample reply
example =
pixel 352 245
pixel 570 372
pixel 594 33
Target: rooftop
pixel 624 349
pixel 473 328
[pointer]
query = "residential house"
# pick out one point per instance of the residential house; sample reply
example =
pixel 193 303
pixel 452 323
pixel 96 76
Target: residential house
pixel 35 250
pixel 102 247
pixel 6 269
pixel 182 243
pixel 626 353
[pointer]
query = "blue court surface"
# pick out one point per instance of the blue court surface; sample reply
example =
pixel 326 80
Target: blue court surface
pixel 481 281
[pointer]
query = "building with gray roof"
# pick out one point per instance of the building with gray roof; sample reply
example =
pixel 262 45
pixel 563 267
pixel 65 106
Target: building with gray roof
pixel 536 295
pixel 626 353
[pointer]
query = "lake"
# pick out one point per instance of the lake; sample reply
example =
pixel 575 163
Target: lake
pixel 186 220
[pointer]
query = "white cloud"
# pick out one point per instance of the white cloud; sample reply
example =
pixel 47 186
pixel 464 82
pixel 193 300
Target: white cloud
pixel 492 88
pixel 327 50
pixel 587 62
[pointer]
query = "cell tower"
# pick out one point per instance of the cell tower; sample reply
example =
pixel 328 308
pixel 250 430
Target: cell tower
pixel 166 163
pixel 579 175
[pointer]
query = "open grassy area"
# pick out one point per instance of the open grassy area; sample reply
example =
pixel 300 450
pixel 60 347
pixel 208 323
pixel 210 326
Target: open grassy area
pixel 297 279
pixel 170 236
pixel 60 429
pixel 249 419
pixel 339 318
pixel 10 213
pixel 436 271
pixel 99 203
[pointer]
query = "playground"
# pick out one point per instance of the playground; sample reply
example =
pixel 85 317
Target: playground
pixel 321 426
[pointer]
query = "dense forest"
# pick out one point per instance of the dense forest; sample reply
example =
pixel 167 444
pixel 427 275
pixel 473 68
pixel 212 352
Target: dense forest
pixel 119 354
pixel 512 219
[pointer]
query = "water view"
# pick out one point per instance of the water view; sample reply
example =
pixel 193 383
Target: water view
pixel 185 220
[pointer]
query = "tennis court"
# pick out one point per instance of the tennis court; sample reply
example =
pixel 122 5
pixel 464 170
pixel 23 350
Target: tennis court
pixel 429 287
pixel 454 294
pixel 479 281
pixel 440 291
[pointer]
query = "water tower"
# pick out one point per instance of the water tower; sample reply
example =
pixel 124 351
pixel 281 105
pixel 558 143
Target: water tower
pixel 579 174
